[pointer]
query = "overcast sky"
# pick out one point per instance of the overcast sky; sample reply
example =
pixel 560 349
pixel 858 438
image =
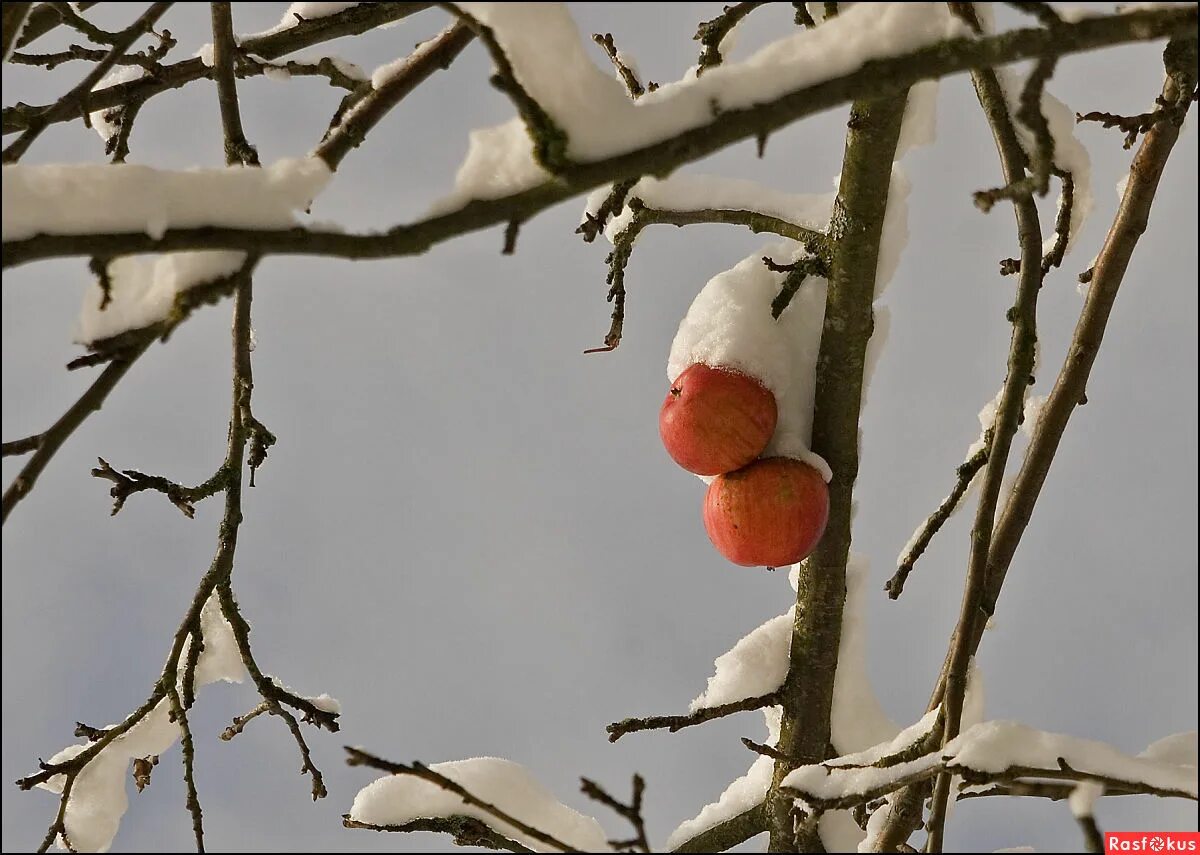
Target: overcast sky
pixel 469 532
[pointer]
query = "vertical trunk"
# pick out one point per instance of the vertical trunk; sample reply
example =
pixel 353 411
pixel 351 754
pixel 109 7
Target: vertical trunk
pixel 855 229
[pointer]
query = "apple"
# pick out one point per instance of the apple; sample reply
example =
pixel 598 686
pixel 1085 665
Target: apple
pixel 715 420
pixel 770 513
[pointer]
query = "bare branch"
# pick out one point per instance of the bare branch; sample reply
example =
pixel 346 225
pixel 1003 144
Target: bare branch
pixel 352 129
pixel 631 812
pixel 965 473
pixel 465 830
pixel 352 21
pixel 673 723
pixel 711 33
pixel 636 90
pixel 71 104
pixel 237 149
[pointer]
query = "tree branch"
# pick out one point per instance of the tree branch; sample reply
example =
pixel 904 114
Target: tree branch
pixel 15 19
pixel 725 835
pixel 965 473
pixel 358 757
pixel 465 830
pixel 352 21
pixel 854 232
pixel 881 78
pixel 1021 356
pixel 54 436
pixel 710 34
pixel 71 104
pixel 435 54
pixel 673 723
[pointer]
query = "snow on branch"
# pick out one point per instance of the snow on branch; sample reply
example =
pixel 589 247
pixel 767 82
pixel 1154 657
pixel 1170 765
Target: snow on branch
pixel 76 199
pixel 500 198
pixel 989 752
pixel 600 121
pixel 499 793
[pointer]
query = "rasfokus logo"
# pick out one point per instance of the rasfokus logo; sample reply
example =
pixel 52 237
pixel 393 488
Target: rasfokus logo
pixel 1152 841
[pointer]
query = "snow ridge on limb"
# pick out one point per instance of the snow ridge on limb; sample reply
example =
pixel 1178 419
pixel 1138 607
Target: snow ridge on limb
pixel 395 801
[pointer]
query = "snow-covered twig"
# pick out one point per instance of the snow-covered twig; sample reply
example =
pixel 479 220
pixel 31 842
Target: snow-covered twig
pixel 673 723
pixel 358 757
pixel 71 104
pixel 1062 223
pixel 549 139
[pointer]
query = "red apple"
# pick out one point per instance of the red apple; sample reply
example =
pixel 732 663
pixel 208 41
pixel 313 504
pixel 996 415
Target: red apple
pixel 716 420
pixel 771 513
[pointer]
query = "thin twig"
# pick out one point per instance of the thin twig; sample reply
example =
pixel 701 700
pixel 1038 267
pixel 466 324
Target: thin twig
pixel 673 723
pixel 71 104
pixel 58 433
pixel 631 812
pixel 965 473
pixel 240 721
pixel 271 45
pixel 351 130
pixel 636 90
pixel 710 34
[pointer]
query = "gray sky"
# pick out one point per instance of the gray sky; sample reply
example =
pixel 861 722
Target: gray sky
pixel 469 532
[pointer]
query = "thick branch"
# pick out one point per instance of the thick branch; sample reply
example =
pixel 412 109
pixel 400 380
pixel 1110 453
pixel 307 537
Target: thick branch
pixel 854 231
pixel 882 78
pixel 15 17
